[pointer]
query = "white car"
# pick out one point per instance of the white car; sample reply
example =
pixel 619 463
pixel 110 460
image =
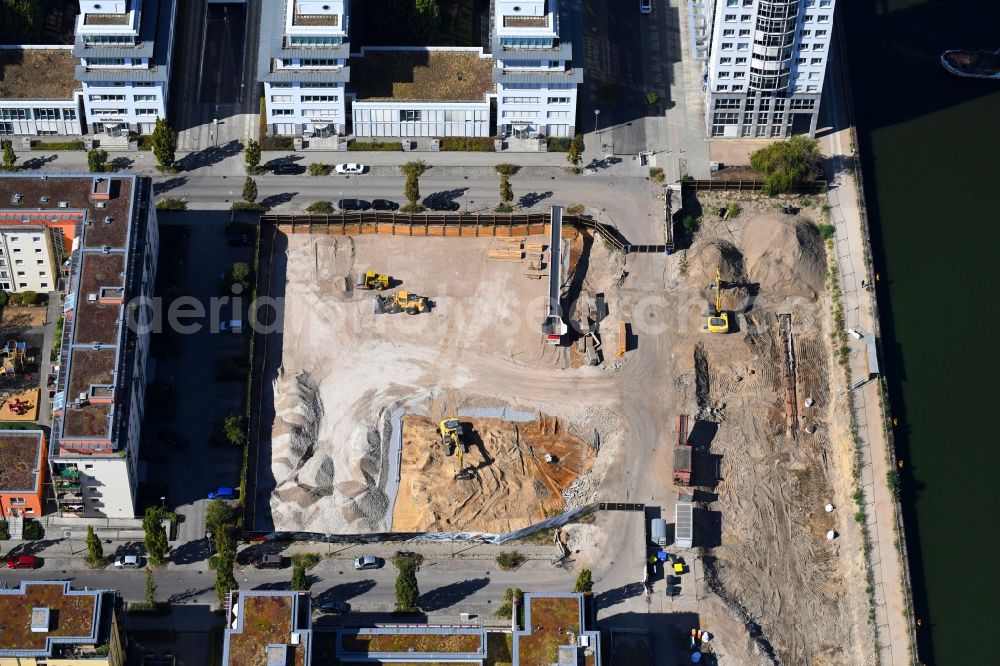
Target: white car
pixel 127 562
pixel 350 168
pixel 645 6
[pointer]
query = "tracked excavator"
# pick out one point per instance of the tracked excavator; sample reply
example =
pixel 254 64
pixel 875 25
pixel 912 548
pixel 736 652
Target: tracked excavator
pixel 373 280
pixel 453 437
pixel 718 321
pixel 401 301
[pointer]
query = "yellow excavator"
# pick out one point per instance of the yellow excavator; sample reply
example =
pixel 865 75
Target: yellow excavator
pixel 718 321
pixel 401 301
pixel 453 437
pixel 373 280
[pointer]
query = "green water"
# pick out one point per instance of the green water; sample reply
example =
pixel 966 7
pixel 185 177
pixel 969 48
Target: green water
pixel 931 148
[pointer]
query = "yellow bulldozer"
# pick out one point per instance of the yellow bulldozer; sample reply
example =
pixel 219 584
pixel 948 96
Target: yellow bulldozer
pixel 718 320
pixel 373 280
pixel 453 438
pixel 401 301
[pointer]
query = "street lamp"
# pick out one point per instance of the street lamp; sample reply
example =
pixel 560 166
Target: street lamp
pixel 163 502
pixel 597 112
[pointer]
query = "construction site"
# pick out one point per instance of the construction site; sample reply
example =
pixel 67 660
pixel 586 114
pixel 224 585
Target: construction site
pixel 422 383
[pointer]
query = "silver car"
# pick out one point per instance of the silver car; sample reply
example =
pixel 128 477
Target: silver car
pixel 127 562
pixel 367 562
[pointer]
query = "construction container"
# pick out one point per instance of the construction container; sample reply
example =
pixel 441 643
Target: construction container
pixel 684 525
pixel 658 531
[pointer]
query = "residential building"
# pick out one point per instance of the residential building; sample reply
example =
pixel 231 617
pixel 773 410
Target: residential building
pixel 125 49
pixel 101 380
pixel 766 67
pixel 302 63
pixel 38 94
pixel 33 246
pixel 23 467
pixel 537 71
pixel 422 92
pixel 268 628
pixel 45 623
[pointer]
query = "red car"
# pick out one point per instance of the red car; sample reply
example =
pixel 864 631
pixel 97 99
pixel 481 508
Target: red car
pixel 22 562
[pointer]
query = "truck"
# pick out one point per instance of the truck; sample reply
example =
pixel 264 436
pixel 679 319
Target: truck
pixel 684 525
pixel 682 454
pixel 658 531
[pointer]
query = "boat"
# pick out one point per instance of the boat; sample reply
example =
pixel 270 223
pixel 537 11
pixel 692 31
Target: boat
pixel 973 64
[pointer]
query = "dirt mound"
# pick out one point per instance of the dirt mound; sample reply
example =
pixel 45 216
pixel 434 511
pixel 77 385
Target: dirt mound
pixel 785 256
pixel 512 486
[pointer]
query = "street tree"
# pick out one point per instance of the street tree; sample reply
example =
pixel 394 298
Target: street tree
pixel 8 155
pixel 225 581
pixel 150 587
pixel 412 192
pixel 787 164
pixel 575 153
pixel 164 143
pixel 96 160
pixel 584 581
pixel 252 156
pixel 249 190
pixel 157 547
pixel 407 591
pixel 95 551
pixel 299 581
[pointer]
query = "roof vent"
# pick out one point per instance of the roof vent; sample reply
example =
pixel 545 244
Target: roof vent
pixel 91 298
pixel 16 198
pixel 44 199
pixel 64 204
pixel 108 219
pixel 100 204
pixel 106 249
pixel 40 620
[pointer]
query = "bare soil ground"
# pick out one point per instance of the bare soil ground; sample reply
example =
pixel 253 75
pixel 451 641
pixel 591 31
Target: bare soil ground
pixel 799 595
pixel 345 371
pixel 512 486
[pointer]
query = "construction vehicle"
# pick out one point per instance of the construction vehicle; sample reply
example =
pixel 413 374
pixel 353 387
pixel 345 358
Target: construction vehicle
pixel 373 280
pixel 464 473
pixel 718 321
pixel 682 454
pixel 453 437
pixel 401 301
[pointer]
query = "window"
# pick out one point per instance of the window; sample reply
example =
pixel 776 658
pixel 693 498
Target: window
pixel 727 103
pixel 283 85
pixel 725 61
pixel 800 61
pixel 281 99
pixel 744 18
pixel 39 262
pixel 19 262
pixel 743 46
pixel 145 112
pixel 282 112
pixel 732 3
pixel 22 285
pixel 559 100
pixel 6 128
pixel 744 33
pixel 727 46
pixel 825 4
pixel 107 98
pixel 88 467
pixel 5 275
pixel 311 41
pixel 737 88
pixel 805 46
pixel 807 33
pixel 323 112
pixel 46 114
pixel 105 62
pixel 144 98
pixel 818 46
pixel 741 61
pixel 523 100
pixel 109 112
pixel 722 88
pixel 409 115
pixel 17 500
pixel 44 285
pixel 318 62
pixel 20 274
pixel 739 75
pixel 821 33
pixel 728 33
pixel 312 99
pixel 5 285
pixel 38 250
pixel 824 18
pixel 724 75
pixel 36 239
pixel 814 76
pixel 730 17
pixel 815 61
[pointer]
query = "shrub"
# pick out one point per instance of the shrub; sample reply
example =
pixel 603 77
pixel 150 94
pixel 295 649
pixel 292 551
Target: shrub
pixel 319 169
pixel 407 591
pixel 234 430
pixel 306 560
pixel 320 208
pixel 29 297
pixel 690 223
pixel 249 190
pixel 376 146
pixel 656 174
pixel 411 190
pixel 282 143
pixel 507 169
pixel 412 208
pixel 732 209
pixel 240 272
pixel 558 144
pixel 163 143
pixel 170 203
pixel 299 581
pixel 788 164
pixel 827 231
pixel 652 98
pixel 510 561
pixel 150 588
pixel 250 207
pixel 33 530
pixel 251 155
pixel 894 483
pixel 503 208
pixel 584 582
pixel 467 144
pixel 97 160
pixel 415 168
pixel 57 145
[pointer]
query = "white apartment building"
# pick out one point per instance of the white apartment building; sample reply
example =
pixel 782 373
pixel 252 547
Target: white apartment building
pixel 766 68
pixel 38 94
pixel 304 50
pixel 108 227
pixel 535 72
pixel 125 49
pixel 28 257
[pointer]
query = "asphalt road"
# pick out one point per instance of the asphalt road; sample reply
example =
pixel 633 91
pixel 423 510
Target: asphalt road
pixel 222 63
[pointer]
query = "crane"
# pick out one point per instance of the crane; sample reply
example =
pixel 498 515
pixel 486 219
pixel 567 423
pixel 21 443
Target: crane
pixel 718 321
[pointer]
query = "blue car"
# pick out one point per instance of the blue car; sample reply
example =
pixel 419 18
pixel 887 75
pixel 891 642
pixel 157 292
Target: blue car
pixel 222 493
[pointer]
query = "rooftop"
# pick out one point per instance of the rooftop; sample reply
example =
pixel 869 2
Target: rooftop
pixel 20 459
pixel 332 20
pixel 105 19
pixel 416 640
pixel 525 21
pixel 438 76
pixel 73 616
pixel 37 74
pixel 549 621
pixel 267 619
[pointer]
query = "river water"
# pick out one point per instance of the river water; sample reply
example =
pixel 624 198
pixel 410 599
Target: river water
pixel 931 148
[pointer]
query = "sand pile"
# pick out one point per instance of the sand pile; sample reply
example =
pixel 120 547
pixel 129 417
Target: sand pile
pixel 785 256
pixel 513 485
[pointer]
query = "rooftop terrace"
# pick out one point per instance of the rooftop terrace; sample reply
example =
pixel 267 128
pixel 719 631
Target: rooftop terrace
pixel 265 620
pixel 20 458
pixel 439 76
pixel 37 74
pixel 549 622
pixel 72 616
pixel 105 19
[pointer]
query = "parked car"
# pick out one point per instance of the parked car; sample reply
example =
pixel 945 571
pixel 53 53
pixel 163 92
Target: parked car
pixel 127 562
pixel 384 204
pixel 333 607
pixel 269 562
pixel 645 6
pixel 349 168
pixel 441 204
pixel 240 240
pixel 288 169
pixel 353 204
pixel 367 562
pixel 22 562
pixel 222 493
pixel 231 326
pixel 174 439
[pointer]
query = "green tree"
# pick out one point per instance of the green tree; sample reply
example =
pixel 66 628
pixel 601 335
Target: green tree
pixel 240 272
pixel 225 542
pixel 95 551
pixel 506 191
pixel 584 581
pixel 225 581
pixel 788 164
pixel 234 429
pixel 96 160
pixel 252 156
pixel 164 142
pixel 299 581
pixel 217 514
pixel 427 18
pixel 407 591
pixel 415 167
pixel 249 190
pixel 24 18
pixel 8 155
pixel 320 208
pixel 652 98
pixel 412 190
pixel 157 547
pixel 575 153
pixel 506 169
pixel 150 587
